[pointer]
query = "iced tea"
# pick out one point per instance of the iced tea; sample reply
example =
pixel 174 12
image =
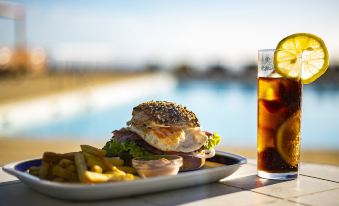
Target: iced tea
pixel 298 59
pixel 279 114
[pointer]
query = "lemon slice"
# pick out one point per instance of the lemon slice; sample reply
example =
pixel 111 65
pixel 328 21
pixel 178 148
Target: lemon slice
pixel 288 140
pixel 301 56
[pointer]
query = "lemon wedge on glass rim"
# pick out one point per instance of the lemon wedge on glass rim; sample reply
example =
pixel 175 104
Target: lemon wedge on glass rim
pixel 301 56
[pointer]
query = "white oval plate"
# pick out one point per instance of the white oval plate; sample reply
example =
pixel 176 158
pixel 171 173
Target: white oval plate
pixel 73 191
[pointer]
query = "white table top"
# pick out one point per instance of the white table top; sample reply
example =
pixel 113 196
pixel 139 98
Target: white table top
pixel 316 185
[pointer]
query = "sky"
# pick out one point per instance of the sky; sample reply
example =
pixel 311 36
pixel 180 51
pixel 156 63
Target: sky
pixel 168 32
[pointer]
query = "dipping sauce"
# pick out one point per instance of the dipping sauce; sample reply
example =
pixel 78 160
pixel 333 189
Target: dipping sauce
pixel 157 165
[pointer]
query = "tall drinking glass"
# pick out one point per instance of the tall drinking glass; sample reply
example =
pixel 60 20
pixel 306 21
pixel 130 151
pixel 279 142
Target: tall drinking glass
pixel 279 121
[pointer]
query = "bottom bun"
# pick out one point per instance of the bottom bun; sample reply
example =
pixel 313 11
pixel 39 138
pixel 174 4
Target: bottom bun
pixel 191 163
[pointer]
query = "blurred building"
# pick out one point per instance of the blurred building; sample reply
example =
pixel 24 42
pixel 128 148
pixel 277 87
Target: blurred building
pixel 19 59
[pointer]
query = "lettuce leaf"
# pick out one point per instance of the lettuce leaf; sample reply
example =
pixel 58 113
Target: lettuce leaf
pixel 116 148
pixel 212 141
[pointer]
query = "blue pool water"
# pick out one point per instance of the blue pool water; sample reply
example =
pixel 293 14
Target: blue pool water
pixel 228 108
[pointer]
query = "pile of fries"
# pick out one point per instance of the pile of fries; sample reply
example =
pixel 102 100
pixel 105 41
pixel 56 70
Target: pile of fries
pixel 87 166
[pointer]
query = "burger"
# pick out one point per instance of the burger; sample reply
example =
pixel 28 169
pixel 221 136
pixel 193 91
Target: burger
pixel 161 127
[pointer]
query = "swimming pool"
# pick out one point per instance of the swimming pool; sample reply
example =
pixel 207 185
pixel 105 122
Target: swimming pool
pixel 228 108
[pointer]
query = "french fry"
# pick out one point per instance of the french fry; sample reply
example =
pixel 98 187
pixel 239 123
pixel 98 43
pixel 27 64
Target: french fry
pixel 71 168
pixel 93 177
pixel 119 177
pixel 51 157
pixel 44 168
pixel 34 171
pixel 48 160
pixel 100 161
pixel 128 177
pixel 119 169
pixel 58 171
pixel 92 150
pixel 106 163
pixel 75 166
pixel 127 169
pixel 80 165
pixel 115 161
pixel 94 160
pixel 69 155
pixel 115 170
pixel 65 162
pixel 97 169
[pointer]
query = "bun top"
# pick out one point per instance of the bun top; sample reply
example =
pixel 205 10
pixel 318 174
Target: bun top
pixel 163 113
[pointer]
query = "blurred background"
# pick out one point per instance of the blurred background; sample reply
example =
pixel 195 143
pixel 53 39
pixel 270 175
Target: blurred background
pixel 72 71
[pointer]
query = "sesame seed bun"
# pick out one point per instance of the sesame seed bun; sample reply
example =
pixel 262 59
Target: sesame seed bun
pixel 163 113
